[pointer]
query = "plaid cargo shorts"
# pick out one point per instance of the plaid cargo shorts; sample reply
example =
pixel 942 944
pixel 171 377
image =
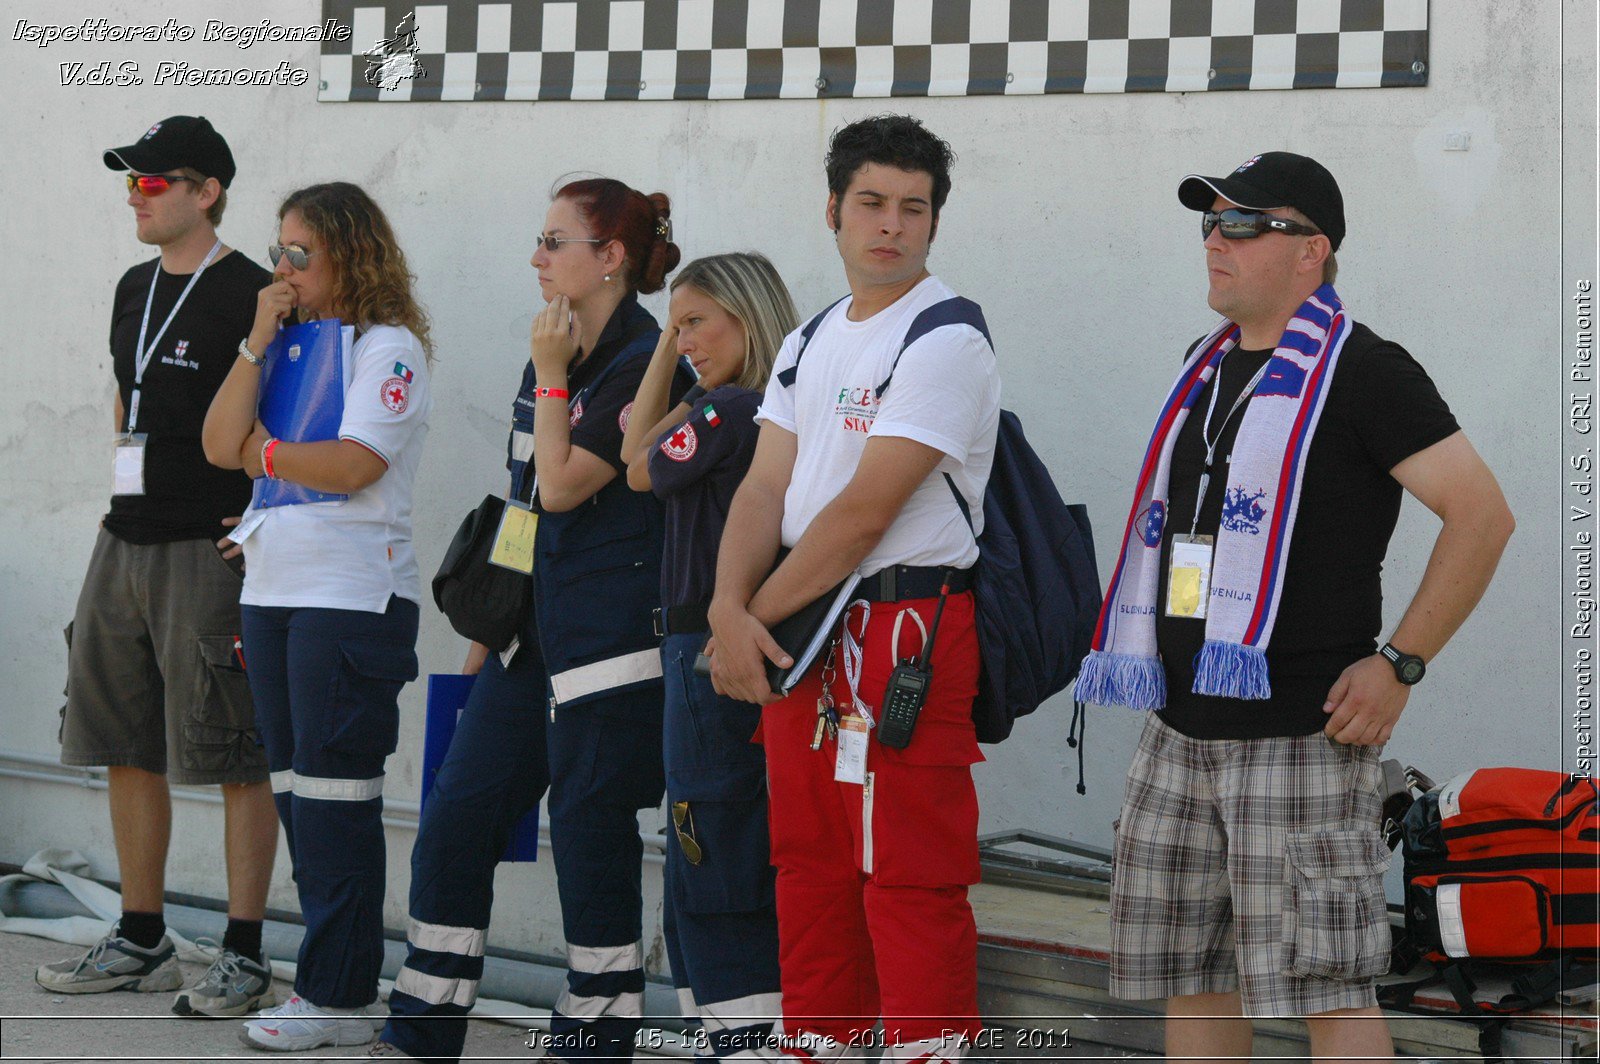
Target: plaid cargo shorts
pixel 1250 864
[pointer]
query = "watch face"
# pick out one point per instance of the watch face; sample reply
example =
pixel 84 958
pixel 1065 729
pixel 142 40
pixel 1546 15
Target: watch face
pixel 1411 671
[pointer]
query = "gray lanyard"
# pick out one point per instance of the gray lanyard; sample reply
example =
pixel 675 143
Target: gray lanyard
pixel 142 353
pixel 1205 430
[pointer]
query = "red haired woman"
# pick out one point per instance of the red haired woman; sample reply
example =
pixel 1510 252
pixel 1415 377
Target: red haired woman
pixel 575 704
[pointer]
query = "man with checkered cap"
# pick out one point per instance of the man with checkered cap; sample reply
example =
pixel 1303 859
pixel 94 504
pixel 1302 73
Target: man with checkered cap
pixel 156 689
pixel 1245 610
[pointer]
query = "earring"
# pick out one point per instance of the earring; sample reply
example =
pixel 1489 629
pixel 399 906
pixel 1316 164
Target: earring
pixel 608 278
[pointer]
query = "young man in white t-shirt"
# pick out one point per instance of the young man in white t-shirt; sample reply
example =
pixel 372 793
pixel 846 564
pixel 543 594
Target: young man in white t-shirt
pixel 875 853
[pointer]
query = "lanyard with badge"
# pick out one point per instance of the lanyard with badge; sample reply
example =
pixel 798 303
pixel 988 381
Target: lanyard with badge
pixel 1189 578
pixel 128 465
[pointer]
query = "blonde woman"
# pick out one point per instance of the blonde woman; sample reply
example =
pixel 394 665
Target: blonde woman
pixel 331 593
pixel 728 316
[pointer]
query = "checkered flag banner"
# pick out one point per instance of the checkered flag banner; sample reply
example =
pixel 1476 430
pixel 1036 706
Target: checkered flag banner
pixel 810 49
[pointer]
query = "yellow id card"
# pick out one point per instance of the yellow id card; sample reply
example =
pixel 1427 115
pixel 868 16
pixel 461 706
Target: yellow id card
pixel 1189 578
pixel 513 543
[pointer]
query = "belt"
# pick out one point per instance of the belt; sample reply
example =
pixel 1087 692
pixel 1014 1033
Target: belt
pixel 685 617
pixel 913 582
pixel 888 585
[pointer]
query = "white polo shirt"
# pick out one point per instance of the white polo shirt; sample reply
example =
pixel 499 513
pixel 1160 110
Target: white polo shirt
pixel 354 554
pixel 945 394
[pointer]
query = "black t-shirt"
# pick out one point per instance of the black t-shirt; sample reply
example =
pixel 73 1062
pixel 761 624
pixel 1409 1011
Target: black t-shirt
pixel 1381 409
pixel 695 468
pixel 185 496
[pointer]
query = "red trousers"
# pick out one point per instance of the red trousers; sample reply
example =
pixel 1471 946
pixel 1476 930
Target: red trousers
pixel 873 918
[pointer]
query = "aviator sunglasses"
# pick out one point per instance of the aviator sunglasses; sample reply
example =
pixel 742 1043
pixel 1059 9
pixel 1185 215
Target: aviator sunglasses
pixel 154 184
pixel 297 256
pixel 686 840
pixel 1247 225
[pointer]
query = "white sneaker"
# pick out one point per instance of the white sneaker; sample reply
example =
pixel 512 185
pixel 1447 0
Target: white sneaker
pixel 298 1024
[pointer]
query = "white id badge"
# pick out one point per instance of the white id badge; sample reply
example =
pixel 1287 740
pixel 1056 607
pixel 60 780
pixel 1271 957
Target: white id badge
pixel 850 766
pixel 249 521
pixel 1189 579
pixel 127 468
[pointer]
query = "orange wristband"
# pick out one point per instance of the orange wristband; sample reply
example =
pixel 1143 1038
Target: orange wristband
pixel 266 457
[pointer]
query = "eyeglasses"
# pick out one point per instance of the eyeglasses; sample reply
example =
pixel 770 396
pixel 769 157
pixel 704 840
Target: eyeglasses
pixel 686 840
pixel 154 184
pixel 296 255
pixel 1247 225
pixel 554 244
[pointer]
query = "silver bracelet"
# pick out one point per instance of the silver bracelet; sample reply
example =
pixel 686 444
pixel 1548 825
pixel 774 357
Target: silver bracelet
pixel 249 355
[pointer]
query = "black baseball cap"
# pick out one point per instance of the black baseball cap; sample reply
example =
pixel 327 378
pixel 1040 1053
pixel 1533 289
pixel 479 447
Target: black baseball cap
pixel 1274 179
pixel 182 140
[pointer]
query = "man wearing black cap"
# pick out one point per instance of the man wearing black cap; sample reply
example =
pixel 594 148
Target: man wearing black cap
pixel 156 689
pixel 1245 609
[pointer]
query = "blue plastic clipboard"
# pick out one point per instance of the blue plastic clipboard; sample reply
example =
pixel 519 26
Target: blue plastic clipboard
pixel 302 400
pixel 447 696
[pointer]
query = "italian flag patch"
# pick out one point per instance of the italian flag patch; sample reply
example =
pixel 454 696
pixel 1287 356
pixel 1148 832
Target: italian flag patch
pixel 711 416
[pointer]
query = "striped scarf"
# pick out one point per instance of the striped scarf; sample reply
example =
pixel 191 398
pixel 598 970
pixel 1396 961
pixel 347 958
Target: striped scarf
pixel 1264 477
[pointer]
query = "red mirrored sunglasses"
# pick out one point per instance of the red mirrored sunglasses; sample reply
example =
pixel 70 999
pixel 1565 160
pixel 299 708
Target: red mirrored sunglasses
pixel 154 184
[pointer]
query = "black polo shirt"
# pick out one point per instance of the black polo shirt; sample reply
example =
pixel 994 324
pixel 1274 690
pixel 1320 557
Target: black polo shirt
pixel 695 469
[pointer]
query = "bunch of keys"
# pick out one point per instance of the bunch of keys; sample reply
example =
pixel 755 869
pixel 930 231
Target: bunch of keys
pixel 827 715
pixel 827 720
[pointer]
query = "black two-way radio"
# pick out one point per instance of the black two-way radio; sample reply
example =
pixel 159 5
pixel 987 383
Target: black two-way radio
pixel 908 686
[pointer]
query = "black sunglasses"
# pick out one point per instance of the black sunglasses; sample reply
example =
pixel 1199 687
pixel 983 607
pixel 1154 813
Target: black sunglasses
pixel 554 244
pixel 686 840
pixel 1247 225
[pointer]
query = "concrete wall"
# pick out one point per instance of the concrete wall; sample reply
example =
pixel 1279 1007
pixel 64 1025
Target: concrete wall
pixel 1063 223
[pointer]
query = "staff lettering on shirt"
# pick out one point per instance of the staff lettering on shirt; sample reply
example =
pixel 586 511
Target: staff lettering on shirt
pixel 858 408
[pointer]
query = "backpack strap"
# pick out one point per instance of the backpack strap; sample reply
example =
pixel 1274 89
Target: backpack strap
pixel 957 310
pixel 786 378
pixel 961 503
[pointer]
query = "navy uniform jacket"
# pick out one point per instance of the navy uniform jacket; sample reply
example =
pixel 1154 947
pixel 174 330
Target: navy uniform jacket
pixel 597 567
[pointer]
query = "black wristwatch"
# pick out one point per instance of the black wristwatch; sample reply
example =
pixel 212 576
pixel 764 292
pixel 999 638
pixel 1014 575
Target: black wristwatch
pixel 1408 668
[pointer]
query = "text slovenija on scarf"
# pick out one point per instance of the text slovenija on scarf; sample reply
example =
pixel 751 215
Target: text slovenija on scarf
pixel 1264 477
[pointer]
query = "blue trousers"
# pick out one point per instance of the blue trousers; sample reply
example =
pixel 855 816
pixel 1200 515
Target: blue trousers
pixel 326 685
pixel 723 921
pixel 601 762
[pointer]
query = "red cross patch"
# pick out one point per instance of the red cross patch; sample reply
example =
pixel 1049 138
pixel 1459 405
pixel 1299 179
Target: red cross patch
pixel 396 394
pixel 622 418
pixel 681 444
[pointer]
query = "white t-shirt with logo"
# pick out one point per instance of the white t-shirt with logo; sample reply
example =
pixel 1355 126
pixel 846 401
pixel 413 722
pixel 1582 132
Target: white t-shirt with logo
pixel 354 554
pixel 945 394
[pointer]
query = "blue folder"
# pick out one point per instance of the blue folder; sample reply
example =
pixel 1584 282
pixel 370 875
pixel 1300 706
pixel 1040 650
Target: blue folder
pixel 302 400
pixel 447 695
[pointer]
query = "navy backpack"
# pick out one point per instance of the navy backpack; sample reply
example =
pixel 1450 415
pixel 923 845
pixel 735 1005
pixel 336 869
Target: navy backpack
pixel 1037 586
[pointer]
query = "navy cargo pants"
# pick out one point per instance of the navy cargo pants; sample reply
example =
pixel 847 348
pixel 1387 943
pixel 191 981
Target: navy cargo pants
pixel 601 761
pixel 723 931
pixel 326 685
